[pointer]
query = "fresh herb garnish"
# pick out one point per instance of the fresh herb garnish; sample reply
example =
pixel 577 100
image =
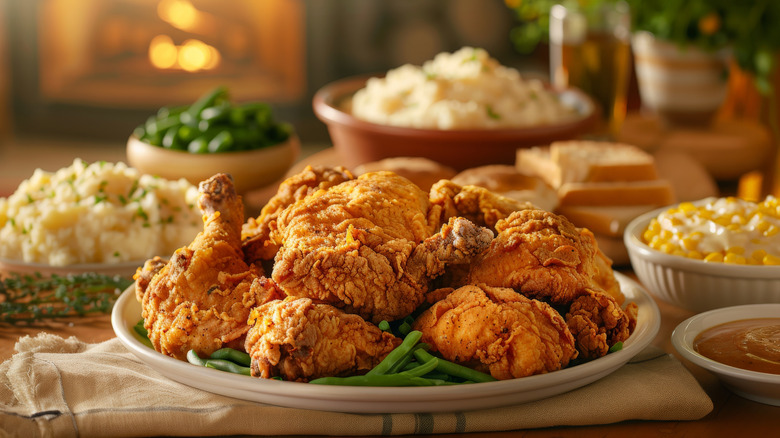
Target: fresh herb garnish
pixel 26 299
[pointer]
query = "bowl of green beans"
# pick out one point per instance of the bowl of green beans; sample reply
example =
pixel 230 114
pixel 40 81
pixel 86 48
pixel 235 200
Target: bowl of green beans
pixel 213 135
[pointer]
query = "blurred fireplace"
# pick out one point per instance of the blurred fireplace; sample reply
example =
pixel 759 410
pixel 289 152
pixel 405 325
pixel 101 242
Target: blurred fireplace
pixel 96 68
pixel 82 68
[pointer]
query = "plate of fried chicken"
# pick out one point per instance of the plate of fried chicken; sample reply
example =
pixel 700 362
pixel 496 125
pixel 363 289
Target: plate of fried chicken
pixel 494 284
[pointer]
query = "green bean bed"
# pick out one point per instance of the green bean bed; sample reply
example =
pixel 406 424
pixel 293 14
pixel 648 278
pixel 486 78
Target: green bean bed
pixel 213 124
pixel 409 364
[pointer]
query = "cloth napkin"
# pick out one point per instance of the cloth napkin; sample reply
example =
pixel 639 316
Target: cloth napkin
pixel 67 388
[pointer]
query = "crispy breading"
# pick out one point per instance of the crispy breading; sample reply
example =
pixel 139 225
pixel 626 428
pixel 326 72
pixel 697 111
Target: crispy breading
pixel 301 340
pixel 499 331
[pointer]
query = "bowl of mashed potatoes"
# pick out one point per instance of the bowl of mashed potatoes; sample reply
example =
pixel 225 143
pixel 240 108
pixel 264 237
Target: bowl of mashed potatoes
pixel 94 217
pixel 707 254
pixel 462 109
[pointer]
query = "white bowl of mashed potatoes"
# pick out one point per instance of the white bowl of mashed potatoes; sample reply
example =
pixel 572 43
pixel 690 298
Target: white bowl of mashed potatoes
pixel 462 109
pixel 709 254
pixel 94 217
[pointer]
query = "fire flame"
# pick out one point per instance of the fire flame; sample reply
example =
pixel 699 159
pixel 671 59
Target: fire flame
pixel 192 55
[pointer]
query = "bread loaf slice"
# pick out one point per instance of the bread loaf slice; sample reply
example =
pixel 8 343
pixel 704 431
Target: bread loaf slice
pixel 586 161
pixel 656 192
pixel 604 220
pixel 536 161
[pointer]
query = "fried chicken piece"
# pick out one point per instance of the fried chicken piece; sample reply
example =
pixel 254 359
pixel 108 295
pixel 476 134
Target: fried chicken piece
pixel 539 254
pixel 544 256
pixel 144 274
pixel 202 297
pixel 477 204
pixel 367 246
pixel 597 323
pixel 255 232
pixel 301 340
pixel 499 331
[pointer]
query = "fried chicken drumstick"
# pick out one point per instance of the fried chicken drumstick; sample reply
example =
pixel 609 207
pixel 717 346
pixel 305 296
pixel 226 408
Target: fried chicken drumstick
pixel 201 298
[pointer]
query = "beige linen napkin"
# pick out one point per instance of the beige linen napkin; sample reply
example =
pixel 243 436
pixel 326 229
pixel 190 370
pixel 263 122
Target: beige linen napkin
pixel 64 387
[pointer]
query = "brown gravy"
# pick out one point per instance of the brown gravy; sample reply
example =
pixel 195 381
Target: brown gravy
pixel 750 344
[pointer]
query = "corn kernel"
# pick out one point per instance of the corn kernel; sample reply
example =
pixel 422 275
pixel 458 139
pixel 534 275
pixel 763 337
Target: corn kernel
pixel 734 259
pixel 687 207
pixel 714 257
pixel 758 254
pixel 771 231
pixel 771 259
pixel 695 255
pixel 736 250
pixel 666 247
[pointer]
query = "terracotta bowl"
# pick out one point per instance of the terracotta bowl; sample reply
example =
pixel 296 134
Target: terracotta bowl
pixel 359 141
pixel 250 169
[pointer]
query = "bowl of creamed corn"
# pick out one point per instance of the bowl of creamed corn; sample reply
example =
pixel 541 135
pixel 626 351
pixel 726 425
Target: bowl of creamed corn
pixel 708 254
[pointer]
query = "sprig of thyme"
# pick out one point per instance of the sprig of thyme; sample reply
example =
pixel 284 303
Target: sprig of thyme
pixel 26 299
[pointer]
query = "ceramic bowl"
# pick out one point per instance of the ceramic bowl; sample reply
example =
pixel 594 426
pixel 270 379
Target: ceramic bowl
pixel 753 385
pixel 250 169
pixel 359 141
pixel 694 284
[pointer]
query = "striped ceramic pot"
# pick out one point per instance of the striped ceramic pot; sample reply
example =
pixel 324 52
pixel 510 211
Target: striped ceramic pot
pixel 683 85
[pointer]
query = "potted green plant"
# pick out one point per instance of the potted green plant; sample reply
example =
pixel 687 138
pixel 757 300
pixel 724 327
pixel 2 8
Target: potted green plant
pixel 674 40
pixel 747 30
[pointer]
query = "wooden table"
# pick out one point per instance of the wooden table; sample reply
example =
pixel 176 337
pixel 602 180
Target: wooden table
pixel 732 415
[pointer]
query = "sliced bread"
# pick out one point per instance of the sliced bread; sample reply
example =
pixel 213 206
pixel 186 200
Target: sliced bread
pixel 656 192
pixel 586 161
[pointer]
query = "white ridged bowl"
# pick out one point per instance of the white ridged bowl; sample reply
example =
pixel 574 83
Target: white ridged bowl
pixel 694 284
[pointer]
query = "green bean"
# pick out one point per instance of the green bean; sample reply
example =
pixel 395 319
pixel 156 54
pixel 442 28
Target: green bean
pixel 398 379
pixel 616 347
pixel 171 139
pixel 193 358
pixel 167 111
pixel 384 326
pixel 198 146
pixel 398 354
pixel 216 112
pixel 222 142
pixel 404 328
pixel 209 99
pixel 226 365
pixel 143 333
pixel 423 368
pixel 232 355
pixel 155 125
pixel 187 133
pixel 454 369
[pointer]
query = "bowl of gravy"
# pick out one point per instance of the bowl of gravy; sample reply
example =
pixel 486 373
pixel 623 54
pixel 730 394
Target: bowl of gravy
pixel 739 344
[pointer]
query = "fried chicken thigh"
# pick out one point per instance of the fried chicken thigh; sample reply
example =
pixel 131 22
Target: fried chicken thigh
pixel 368 246
pixel 541 255
pixel 544 256
pixel 477 204
pixel 301 340
pixel 202 297
pixel 499 331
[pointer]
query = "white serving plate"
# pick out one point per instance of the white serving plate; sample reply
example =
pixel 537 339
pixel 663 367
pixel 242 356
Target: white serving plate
pixel 752 385
pixel 127 312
